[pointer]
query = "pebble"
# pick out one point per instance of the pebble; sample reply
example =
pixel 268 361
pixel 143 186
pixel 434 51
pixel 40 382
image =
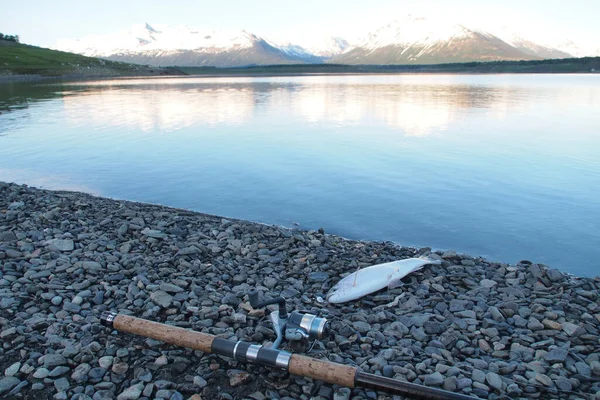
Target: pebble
pixel 56 300
pixel 161 298
pixel 7 383
pixel 41 373
pixel 494 380
pixel 435 379
pixel 238 377
pixel 543 379
pixel 53 360
pixel 200 382
pixel 13 369
pixel 105 362
pixel 131 393
pixel 62 384
pixel 470 325
pixel 556 355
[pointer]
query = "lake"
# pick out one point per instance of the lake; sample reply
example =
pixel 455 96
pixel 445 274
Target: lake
pixel 501 166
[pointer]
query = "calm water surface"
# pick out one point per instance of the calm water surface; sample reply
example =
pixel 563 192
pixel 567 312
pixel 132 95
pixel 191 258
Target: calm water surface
pixel 503 166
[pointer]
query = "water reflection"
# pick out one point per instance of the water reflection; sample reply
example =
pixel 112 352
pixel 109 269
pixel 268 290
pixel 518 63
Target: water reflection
pixel 503 166
pixel 171 104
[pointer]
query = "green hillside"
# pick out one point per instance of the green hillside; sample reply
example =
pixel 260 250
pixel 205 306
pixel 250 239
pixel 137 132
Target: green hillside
pixel 18 59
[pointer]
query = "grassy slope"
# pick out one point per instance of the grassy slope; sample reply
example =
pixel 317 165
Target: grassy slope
pixel 17 58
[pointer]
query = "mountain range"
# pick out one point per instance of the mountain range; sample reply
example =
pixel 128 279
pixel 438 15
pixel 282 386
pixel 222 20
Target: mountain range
pixel 407 41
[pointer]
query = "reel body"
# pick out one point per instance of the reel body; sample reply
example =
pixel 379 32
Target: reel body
pixel 298 327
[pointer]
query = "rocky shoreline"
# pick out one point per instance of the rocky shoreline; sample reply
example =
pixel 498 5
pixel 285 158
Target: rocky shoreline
pixel 486 329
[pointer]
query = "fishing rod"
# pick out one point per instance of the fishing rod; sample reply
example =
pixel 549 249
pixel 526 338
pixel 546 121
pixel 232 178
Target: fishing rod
pixel 298 327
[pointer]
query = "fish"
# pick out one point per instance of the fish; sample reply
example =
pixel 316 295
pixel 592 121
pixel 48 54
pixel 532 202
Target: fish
pixel 374 278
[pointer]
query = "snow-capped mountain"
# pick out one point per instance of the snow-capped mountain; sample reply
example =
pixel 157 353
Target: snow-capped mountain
pixel 508 35
pixel 570 47
pixel 407 41
pixel 317 51
pixel 163 45
pixel 425 41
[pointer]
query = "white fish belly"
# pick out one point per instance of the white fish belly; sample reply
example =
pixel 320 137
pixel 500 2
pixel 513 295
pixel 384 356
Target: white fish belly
pixel 372 279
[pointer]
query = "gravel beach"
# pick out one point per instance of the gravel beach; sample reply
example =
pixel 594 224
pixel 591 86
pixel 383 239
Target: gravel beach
pixel 486 329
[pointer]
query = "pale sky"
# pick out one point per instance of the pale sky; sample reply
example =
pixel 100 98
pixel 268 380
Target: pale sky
pixel 44 22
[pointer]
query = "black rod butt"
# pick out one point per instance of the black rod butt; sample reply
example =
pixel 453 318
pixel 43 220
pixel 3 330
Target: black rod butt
pixel 407 388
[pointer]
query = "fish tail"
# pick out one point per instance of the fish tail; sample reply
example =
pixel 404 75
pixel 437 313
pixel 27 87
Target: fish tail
pixel 430 261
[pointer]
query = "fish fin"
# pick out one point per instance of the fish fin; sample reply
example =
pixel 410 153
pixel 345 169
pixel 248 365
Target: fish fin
pixel 398 281
pixel 395 283
pixel 429 260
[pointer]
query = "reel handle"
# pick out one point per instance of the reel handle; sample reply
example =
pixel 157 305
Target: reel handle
pixel 253 297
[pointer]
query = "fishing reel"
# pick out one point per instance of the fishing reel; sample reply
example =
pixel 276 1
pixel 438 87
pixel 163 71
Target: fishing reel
pixel 298 327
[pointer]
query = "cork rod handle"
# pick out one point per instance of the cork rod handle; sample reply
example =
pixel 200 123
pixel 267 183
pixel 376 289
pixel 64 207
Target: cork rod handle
pixel 166 333
pixel 327 371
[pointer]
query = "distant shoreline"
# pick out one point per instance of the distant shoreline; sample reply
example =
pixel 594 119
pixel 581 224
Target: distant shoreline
pixel 586 65
pixel 560 66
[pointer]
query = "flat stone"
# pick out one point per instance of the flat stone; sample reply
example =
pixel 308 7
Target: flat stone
pixel 56 300
pixel 466 314
pixel 549 324
pixel 12 253
pixel 132 393
pixel 534 324
pixel 170 288
pixel 62 385
pixel 161 298
pixel 80 373
pixel 342 394
pixel 230 299
pixel 450 383
pixel 563 383
pixel 153 233
pixel 8 333
pixel 105 362
pixel 434 328
pixel 554 275
pixel 435 379
pixel 572 329
pixel 488 283
pixel 54 360
pixel 58 371
pixel 71 307
pixel 200 382
pixel 162 360
pixel 361 326
pixel 90 265
pixel 583 369
pixel 494 380
pixel 13 369
pixel 61 244
pixel 41 373
pixel 318 276
pixel 7 383
pixel 7 237
pixel 120 368
pixel 595 366
pixel 187 251
pixel 478 376
pixel 556 355
pixel 544 379
pixel 238 377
